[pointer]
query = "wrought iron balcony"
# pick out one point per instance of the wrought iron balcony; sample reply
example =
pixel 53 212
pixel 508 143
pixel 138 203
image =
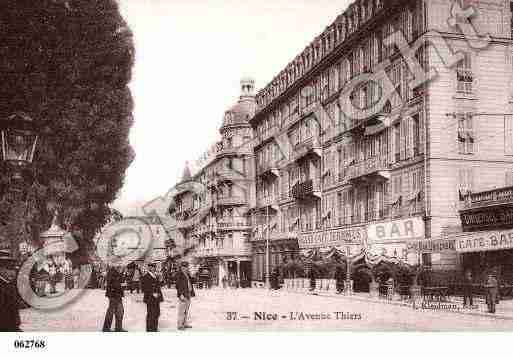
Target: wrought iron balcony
pixel 495 197
pixel 271 201
pixel 230 201
pixel 270 168
pixel 306 190
pixel 312 146
pixel 372 168
pixel 235 223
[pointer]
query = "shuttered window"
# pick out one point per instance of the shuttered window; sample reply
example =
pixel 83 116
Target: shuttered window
pixel 508 135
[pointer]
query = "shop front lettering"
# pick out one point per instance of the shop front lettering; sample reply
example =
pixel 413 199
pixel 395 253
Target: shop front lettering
pixel 492 217
pixel 484 242
pixel 336 238
pixel 397 230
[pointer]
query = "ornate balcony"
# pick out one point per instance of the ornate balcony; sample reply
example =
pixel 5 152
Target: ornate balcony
pixel 495 197
pixel 271 202
pixel 371 169
pixel 236 223
pixel 266 169
pixel 306 190
pixel 204 229
pixel 312 146
pixel 231 201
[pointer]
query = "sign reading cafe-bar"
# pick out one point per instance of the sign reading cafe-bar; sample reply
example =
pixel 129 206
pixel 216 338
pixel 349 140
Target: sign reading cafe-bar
pixel 352 236
pixel 485 241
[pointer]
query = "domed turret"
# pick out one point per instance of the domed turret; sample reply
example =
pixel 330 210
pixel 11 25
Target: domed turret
pixel 186 173
pixel 244 109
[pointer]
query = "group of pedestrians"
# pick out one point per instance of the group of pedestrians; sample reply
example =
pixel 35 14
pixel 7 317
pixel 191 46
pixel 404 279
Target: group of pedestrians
pixel 46 275
pixel 150 284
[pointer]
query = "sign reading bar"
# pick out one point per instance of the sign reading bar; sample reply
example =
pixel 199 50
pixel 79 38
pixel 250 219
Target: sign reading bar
pixel 487 218
pixel 353 236
pixel 396 230
pixel 485 241
pixel 432 245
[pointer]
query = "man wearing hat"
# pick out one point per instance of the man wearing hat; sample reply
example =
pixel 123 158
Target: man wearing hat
pixel 185 292
pixel 114 291
pixel 152 297
pixel 9 300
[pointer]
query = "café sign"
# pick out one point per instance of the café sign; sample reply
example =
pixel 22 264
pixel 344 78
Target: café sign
pixel 487 218
pixel 485 241
pixel 396 231
pixel 336 238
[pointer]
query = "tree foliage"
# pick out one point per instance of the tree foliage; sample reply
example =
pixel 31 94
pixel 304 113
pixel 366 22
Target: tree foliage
pixel 67 64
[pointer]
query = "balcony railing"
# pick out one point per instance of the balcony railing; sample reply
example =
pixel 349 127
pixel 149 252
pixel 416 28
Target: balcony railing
pixel 203 229
pixel 306 147
pixel 307 189
pixel 233 223
pixel 488 198
pixel 230 201
pixel 373 166
pixel 268 168
pixel 271 201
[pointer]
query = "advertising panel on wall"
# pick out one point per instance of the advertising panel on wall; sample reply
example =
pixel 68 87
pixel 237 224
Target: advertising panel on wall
pixel 350 240
pixel 484 241
pixel 487 218
pixel 391 238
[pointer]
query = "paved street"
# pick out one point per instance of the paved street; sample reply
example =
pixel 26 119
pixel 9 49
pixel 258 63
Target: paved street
pixel 210 308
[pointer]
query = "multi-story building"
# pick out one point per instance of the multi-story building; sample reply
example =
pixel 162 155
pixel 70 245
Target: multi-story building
pixel 211 207
pixel 381 182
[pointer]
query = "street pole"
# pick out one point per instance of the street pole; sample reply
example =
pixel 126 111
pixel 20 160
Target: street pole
pixel 268 275
pixel 17 223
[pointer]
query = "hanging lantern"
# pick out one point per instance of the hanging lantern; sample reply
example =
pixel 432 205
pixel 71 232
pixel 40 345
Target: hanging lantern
pixel 19 141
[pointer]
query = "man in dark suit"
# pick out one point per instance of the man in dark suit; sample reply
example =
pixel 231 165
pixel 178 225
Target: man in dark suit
pixel 114 291
pixel 185 292
pixel 468 289
pixel 152 297
pixel 9 299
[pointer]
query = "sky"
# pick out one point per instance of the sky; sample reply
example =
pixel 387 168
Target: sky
pixel 190 57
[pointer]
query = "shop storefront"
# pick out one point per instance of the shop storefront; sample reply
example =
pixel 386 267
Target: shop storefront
pixel 391 239
pixel 486 246
pixel 487 252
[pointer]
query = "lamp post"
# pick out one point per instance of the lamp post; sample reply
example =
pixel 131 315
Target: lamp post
pixel 19 137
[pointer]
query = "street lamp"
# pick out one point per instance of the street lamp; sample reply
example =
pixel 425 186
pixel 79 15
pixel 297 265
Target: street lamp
pixel 19 141
pixel 19 137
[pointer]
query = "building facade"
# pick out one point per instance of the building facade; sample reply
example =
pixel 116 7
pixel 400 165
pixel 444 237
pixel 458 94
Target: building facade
pixel 211 207
pixel 378 183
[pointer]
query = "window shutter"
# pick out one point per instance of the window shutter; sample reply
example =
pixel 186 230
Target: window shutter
pixel 470 179
pixel 409 136
pixel 402 142
pixel 509 178
pixel 508 135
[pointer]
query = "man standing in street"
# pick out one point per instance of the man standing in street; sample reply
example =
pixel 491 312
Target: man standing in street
pixel 114 291
pixel 467 290
pixel 9 300
pixel 492 290
pixel 185 292
pixel 152 297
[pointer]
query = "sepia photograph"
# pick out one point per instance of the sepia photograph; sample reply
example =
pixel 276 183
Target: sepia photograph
pixel 222 166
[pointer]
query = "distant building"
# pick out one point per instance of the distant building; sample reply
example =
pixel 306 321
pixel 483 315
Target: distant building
pixel 211 206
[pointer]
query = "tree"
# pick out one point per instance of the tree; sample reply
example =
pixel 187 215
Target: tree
pixel 67 64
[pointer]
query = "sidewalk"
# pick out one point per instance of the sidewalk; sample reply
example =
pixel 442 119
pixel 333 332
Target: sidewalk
pixel 504 310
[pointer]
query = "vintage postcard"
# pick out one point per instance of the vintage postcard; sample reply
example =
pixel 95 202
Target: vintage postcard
pixel 213 165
